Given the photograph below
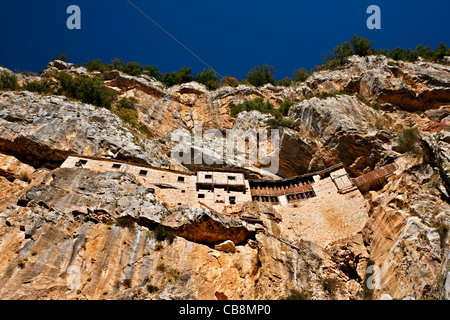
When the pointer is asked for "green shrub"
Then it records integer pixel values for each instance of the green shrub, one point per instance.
(127, 103)
(267, 107)
(280, 121)
(297, 295)
(339, 56)
(125, 223)
(96, 65)
(8, 81)
(161, 233)
(408, 140)
(440, 52)
(173, 78)
(330, 285)
(61, 57)
(88, 90)
(173, 275)
(152, 289)
(130, 116)
(132, 68)
(300, 75)
(255, 104)
(285, 82)
(443, 229)
(259, 76)
(161, 267)
(285, 107)
(208, 78)
(153, 71)
(40, 86)
(360, 45)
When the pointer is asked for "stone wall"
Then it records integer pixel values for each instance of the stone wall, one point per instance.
(176, 188)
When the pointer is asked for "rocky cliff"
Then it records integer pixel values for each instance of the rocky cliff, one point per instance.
(79, 234)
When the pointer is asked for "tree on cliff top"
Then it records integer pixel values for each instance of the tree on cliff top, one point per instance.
(259, 76)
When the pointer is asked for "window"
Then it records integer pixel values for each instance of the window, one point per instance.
(232, 200)
(116, 166)
(231, 178)
(183, 191)
(82, 161)
(208, 176)
(143, 172)
(201, 196)
(180, 179)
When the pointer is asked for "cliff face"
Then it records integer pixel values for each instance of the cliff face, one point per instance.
(80, 234)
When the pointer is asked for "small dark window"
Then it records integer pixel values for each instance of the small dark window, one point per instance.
(116, 166)
(82, 161)
(208, 176)
(151, 190)
(231, 178)
(201, 196)
(232, 200)
(183, 191)
(180, 179)
(143, 172)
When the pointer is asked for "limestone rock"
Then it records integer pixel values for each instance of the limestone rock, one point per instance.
(411, 86)
(60, 65)
(342, 124)
(44, 130)
(226, 246)
(439, 145)
(204, 226)
(143, 83)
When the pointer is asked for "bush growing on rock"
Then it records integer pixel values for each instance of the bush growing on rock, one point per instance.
(408, 140)
(161, 233)
(263, 106)
(208, 78)
(173, 78)
(128, 115)
(96, 65)
(259, 76)
(127, 103)
(298, 295)
(280, 121)
(338, 57)
(285, 107)
(88, 90)
(153, 71)
(44, 86)
(8, 80)
(61, 57)
(255, 104)
(125, 109)
(131, 68)
(285, 82)
(362, 47)
(300, 75)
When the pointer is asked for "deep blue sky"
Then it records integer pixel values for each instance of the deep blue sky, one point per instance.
(232, 36)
